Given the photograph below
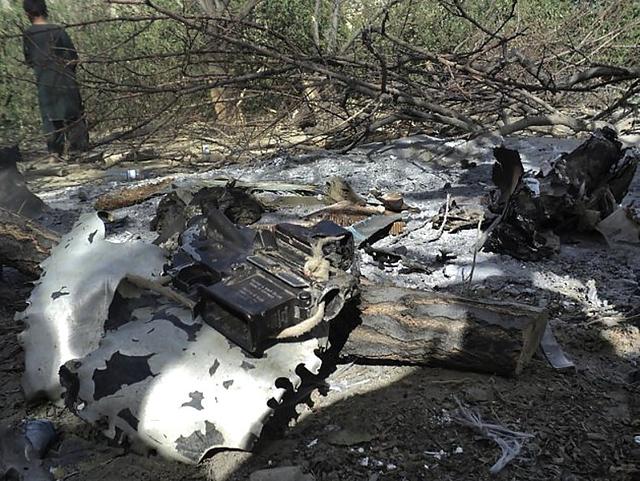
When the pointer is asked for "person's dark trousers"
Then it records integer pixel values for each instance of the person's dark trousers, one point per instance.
(77, 135)
(54, 130)
(74, 132)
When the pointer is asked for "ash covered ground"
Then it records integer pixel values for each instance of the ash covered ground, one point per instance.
(583, 422)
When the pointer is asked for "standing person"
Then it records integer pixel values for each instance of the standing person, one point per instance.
(53, 57)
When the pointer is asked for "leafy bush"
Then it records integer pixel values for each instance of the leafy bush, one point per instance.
(134, 66)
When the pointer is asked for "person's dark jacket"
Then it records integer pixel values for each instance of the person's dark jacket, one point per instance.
(51, 53)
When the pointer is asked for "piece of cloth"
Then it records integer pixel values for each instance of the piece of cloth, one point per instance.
(48, 49)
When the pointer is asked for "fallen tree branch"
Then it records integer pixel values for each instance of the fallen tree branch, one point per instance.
(551, 120)
(444, 220)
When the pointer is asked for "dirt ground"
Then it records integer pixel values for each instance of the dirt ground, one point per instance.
(367, 422)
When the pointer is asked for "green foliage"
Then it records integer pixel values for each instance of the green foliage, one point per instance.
(18, 112)
(290, 19)
(126, 64)
(119, 61)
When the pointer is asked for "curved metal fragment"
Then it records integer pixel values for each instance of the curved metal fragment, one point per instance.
(177, 386)
(70, 303)
(140, 367)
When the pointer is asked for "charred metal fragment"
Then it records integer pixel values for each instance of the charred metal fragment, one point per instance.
(70, 381)
(167, 404)
(171, 215)
(237, 204)
(15, 196)
(507, 171)
(178, 207)
(247, 365)
(62, 328)
(393, 256)
(372, 229)
(573, 193)
(622, 226)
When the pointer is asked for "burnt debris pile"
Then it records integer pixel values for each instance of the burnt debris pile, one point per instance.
(185, 339)
(574, 193)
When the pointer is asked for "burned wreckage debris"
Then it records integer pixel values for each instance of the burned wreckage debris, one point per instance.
(14, 194)
(529, 212)
(176, 345)
(119, 330)
(258, 286)
(574, 193)
(181, 353)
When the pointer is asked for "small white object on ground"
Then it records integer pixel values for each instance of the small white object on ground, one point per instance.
(509, 441)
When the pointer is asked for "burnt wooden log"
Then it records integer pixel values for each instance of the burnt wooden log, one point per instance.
(128, 196)
(416, 327)
(24, 244)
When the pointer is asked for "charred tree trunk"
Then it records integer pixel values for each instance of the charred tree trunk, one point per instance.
(24, 244)
(425, 328)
